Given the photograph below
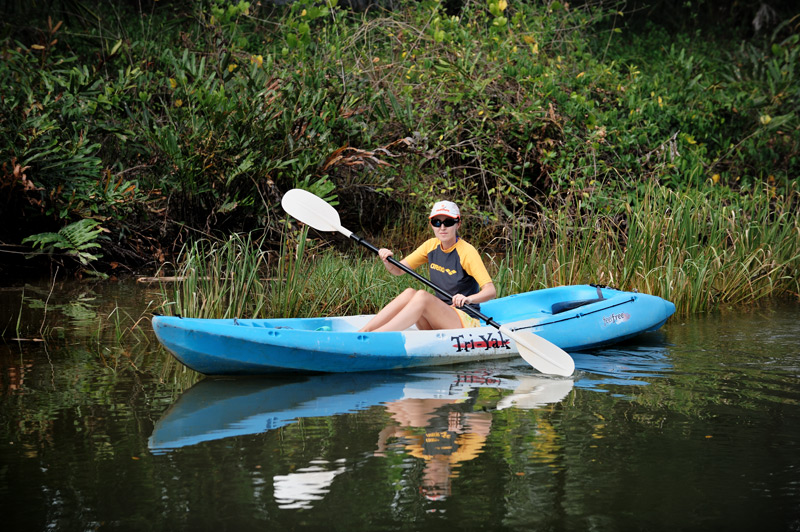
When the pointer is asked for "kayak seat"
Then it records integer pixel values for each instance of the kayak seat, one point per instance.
(563, 306)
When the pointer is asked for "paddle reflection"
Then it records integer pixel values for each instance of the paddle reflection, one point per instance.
(300, 489)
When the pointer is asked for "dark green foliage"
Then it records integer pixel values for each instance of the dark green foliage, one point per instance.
(75, 240)
(161, 120)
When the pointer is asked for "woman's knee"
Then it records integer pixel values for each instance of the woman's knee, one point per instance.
(427, 298)
(406, 295)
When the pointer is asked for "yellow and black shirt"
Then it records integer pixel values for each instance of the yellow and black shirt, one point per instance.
(458, 270)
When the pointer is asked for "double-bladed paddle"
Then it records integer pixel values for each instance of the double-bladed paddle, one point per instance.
(543, 355)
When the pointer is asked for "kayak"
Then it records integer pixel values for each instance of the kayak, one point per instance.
(575, 318)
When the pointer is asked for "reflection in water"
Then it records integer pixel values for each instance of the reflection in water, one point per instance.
(298, 490)
(432, 413)
(13, 371)
(536, 392)
(214, 409)
(446, 431)
(633, 364)
(693, 421)
(442, 432)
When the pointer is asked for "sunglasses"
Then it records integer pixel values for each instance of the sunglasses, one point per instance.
(447, 222)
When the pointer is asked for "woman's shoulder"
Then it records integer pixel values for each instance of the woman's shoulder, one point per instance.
(463, 244)
(430, 244)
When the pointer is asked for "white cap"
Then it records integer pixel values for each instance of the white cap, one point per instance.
(445, 208)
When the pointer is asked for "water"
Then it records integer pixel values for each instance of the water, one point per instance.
(693, 427)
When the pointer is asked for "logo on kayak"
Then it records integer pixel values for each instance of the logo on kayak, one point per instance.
(476, 378)
(618, 317)
(468, 342)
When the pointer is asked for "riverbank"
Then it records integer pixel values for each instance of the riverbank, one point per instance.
(683, 247)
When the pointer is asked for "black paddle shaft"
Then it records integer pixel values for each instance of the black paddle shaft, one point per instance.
(425, 281)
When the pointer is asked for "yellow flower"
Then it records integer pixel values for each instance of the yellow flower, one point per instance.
(580, 75)
(258, 59)
(765, 119)
(178, 103)
(173, 83)
(502, 5)
(660, 103)
(303, 13)
(715, 178)
(232, 67)
(529, 39)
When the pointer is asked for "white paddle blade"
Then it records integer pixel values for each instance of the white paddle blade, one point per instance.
(543, 355)
(312, 210)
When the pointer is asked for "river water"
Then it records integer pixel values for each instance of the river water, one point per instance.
(693, 427)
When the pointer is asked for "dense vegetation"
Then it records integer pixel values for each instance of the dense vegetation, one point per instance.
(138, 127)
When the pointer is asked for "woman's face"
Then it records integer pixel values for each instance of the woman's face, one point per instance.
(445, 232)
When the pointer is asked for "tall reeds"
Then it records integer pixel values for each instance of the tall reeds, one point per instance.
(218, 279)
(234, 278)
(692, 250)
(695, 252)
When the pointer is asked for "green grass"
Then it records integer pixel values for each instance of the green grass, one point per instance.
(680, 246)
(237, 278)
(677, 245)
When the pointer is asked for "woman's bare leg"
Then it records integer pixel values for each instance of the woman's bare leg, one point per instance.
(389, 311)
(424, 309)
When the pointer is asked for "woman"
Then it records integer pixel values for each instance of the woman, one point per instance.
(455, 266)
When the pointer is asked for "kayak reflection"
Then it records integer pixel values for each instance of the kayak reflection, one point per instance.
(434, 417)
(214, 409)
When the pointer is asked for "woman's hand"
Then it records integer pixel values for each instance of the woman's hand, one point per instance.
(459, 300)
(384, 254)
(487, 292)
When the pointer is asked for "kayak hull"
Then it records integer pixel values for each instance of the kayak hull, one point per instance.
(572, 317)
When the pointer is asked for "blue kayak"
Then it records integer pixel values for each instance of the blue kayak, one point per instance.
(575, 318)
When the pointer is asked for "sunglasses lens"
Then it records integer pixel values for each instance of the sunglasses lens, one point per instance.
(447, 222)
